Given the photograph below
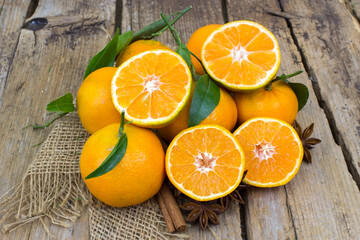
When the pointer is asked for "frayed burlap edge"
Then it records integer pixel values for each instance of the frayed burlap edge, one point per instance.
(52, 188)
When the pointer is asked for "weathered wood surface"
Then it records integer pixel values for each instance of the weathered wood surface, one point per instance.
(321, 202)
(329, 38)
(47, 63)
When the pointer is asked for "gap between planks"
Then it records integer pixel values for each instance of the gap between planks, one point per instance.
(339, 140)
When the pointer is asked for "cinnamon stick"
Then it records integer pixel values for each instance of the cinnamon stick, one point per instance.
(167, 218)
(172, 208)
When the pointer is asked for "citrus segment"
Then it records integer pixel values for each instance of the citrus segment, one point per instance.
(195, 43)
(151, 87)
(205, 162)
(241, 55)
(273, 151)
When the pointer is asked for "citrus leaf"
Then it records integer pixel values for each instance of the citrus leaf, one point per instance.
(184, 52)
(113, 159)
(105, 58)
(62, 104)
(205, 99)
(123, 41)
(158, 27)
(301, 92)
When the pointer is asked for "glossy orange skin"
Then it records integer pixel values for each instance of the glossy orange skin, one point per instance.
(137, 177)
(280, 102)
(94, 104)
(224, 114)
(139, 47)
(196, 41)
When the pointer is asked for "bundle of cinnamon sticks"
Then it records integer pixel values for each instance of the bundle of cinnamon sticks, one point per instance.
(172, 215)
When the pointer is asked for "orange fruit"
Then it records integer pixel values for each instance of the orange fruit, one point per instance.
(95, 107)
(195, 43)
(241, 55)
(205, 162)
(273, 151)
(138, 47)
(224, 114)
(280, 102)
(152, 87)
(139, 174)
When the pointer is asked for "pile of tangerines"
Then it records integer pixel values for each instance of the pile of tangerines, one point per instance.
(153, 87)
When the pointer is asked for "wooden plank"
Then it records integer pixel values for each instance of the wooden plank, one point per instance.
(47, 64)
(12, 16)
(139, 13)
(322, 201)
(328, 36)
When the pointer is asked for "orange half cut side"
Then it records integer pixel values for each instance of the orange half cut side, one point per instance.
(205, 162)
(273, 151)
(241, 55)
(151, 87)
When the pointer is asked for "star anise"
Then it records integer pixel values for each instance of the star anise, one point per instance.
(235, 195)
(307, 142)
(204, 212)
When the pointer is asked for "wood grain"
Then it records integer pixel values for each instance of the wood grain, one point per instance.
(12, 16)
(322, 201)
(47, 64)
(137, 14)
(329, 40)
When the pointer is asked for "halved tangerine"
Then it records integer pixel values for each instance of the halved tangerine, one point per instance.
(241, 55)
(273, 151)
(205, 162)
(151, 87)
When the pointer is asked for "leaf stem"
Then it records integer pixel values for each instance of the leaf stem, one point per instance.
(282, 77)
(180, 14)
(172, 30)
(122, 123)
(58, 116)
(198, 60)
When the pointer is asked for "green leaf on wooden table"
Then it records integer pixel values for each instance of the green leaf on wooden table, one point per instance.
(115, 156)
(105, 58)
(123, 41)
(62, 104)
(205, 99)
(301, 92)
(158, 27)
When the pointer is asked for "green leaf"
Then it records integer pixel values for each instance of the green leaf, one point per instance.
(158, 27)
(123, 41)
(301, 92)
(105, 58)
(205, 99)
(62, 104)
(113, 159)
(184, 52)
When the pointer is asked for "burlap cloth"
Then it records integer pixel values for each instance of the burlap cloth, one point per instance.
(52, 188)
